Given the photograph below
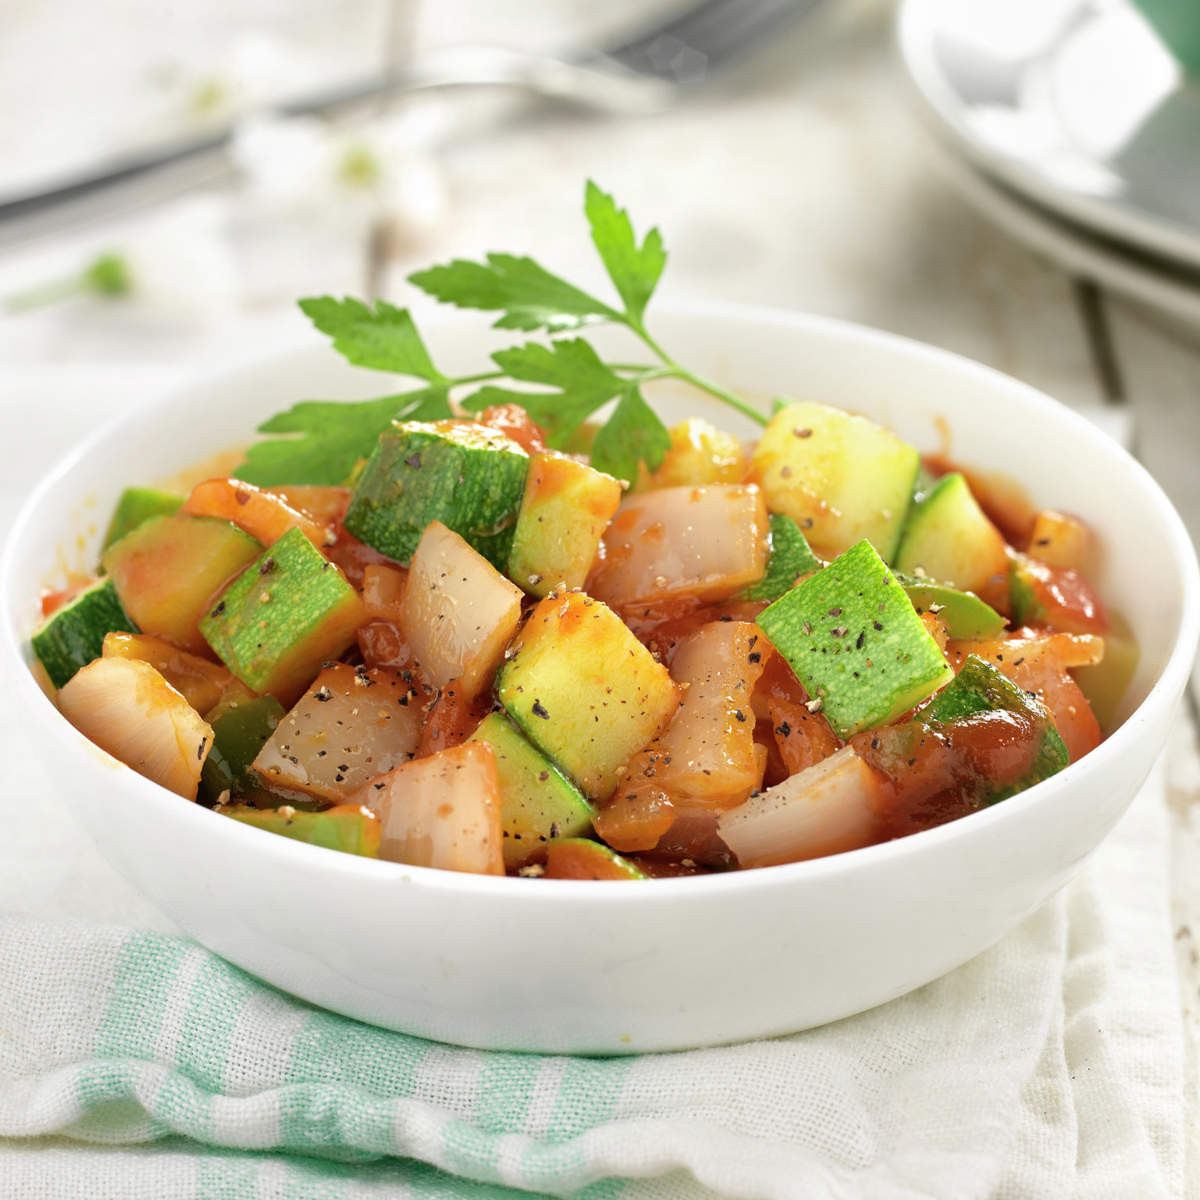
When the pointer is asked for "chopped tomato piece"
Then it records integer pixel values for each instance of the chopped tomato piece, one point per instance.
(802, 738)
(451, 718)
(1039, 663)
(383, 591)
(263, 515)
(636, 817)
(381, 644)
(354, 556)
(53, 601)
(514, 422)
(325, 504)
(1063, 599)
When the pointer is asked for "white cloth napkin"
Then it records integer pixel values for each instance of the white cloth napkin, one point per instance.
(1051, 1065)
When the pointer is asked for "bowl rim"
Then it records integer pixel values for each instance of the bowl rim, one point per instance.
(1155, 707)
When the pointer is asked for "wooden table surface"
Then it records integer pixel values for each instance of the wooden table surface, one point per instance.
(804, 181)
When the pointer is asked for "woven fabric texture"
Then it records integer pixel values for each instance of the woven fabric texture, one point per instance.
(138, 1064)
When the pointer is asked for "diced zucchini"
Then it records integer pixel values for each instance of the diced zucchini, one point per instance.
(200, 681)
(239, 732)
(1022, 596)
(700, 454)
(856, 643)
(467, 476)
(963, 613)
(350, 828)
(790, 557)
(350, 726)
(72, 636)
(841, 478)
(564, 512)
(290, 611)
(1059, 540)
(579, 858)
(127, 708)
(136, 506)
(949, 539)
(704, 542)
(827, 809)
(979, 688)
(537, 801)
(458, 612)
(168, 570)
(584, 690)
(441, 811)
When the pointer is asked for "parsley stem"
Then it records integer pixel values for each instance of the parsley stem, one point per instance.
(674, 370)
(482, 377)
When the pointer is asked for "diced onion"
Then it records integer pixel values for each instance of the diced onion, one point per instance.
(127, 708)
(441, 811)
(826, 809)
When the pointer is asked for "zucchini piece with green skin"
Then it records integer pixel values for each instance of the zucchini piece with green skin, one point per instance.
(467, 476)
(282, 617)
(239, 733)
(963, 613)
(789, 558)
(136, 506)
(1027, 609)
(351, 828)
(537, 801)
(948, 537)
(579, 858)
(584, 690)
(979, 688)
(168, 569)
(840, 477)
(69, 638)
(856, 643)
(564, 512)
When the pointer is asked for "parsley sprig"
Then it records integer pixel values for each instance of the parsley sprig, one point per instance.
(322, 441)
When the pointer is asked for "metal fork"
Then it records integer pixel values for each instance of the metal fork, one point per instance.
(644, 74)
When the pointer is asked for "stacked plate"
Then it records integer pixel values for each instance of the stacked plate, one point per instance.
(1068, 123)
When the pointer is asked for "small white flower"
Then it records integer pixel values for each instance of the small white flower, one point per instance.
(306, 168)
(254, 71)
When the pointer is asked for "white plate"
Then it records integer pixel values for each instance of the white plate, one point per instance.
(1073, 103)
(1175, 294)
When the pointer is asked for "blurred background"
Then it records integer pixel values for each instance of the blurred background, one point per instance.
(1008, 180)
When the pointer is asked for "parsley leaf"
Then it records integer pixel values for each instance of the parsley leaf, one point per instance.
(384, 339)
(332, 436)
(582, 382)
(634, 269)
(528, 296)
(633, 434)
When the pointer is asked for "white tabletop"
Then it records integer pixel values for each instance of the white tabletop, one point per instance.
(802, 182)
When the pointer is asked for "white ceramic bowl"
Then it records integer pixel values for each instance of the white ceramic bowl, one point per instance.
(662, 964)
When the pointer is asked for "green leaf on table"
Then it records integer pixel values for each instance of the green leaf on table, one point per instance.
(634, 269)
(383, 338)
(324, 439)
(633, 434)
(527, 296)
